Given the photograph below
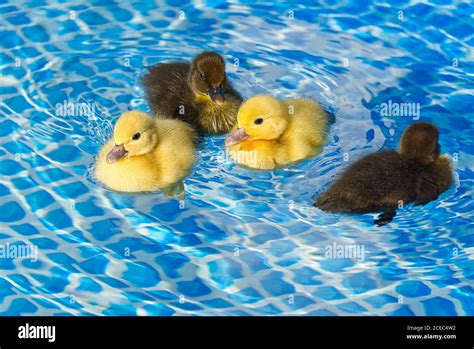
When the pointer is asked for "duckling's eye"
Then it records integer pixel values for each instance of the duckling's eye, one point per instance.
(136, 136)
(202, 76)
(258, 121)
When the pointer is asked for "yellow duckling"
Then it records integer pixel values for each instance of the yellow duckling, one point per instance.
(146, 154)
(271, 133)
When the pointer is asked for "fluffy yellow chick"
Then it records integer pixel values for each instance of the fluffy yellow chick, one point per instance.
(272, 133)
(146, 154)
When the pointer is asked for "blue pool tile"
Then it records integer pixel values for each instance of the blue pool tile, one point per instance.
(306, 276)
(141, 275)
(10, 39)
(328, 293)
(158, 310)
(18, 148)
(404, 310)
(171, 263)
(39, 199)
(64, 154)
(32, 264)
(163, 295)
(299, 302)
(225, 271)
(321, 312)
(274, 284)
(412, 288)
(88, 251)
(121, 310)
(89, 285)
(18, 103)
(35, 33)
(268, 309)
(72, 236)
(104, 229)
(112, 282)
(438, 306)
(186, 306)
(25, 229)
(92, 18)
(88, 208)
(61, 258)
(22, 183)
(248, 295)
(193, 288)
(190, 240)
(135, 296)
(237, 313)
(36, 161)
(378, 301)
(392, 272)
(268, 234)
(57, 282)
(127, 246)
(71, 190)
(46, 303)
(19, 307)
(352, 307)
(445, 282)
(288, 262)
(359, 283)
(7, 127)
(18, 19)
(44, 243)
(10, 167)
(95, 265)
(22, 283)
(4, 190)
(282, 247)
(466, 296)
(57, 219)
(203, 251)
(255, 260)
(7, 264)
(187, 225)
(217, 303)
(11, 212)
(336, 264)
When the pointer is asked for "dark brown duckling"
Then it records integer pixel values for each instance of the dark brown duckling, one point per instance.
(386, 180)
(198, 93)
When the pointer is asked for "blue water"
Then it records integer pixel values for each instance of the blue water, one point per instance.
(242, 242)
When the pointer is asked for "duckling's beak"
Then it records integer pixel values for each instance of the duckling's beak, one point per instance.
(236, 137)
(117, 152)
(217, 94)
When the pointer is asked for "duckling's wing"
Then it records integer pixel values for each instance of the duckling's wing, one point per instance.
(426, 190)
(433, 180)
(166, 87)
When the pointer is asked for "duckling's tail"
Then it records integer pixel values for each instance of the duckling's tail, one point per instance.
(327, 203)
(336, 203)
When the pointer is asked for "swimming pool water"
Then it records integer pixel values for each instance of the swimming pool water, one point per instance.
(243, 242)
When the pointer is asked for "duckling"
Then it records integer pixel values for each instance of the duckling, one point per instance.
(272, 133)
(385, 180)
(146, 154)
(198, 93)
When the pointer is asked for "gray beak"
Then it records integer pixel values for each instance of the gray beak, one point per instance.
(117, 152)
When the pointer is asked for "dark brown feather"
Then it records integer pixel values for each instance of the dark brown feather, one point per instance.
(172, 90)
